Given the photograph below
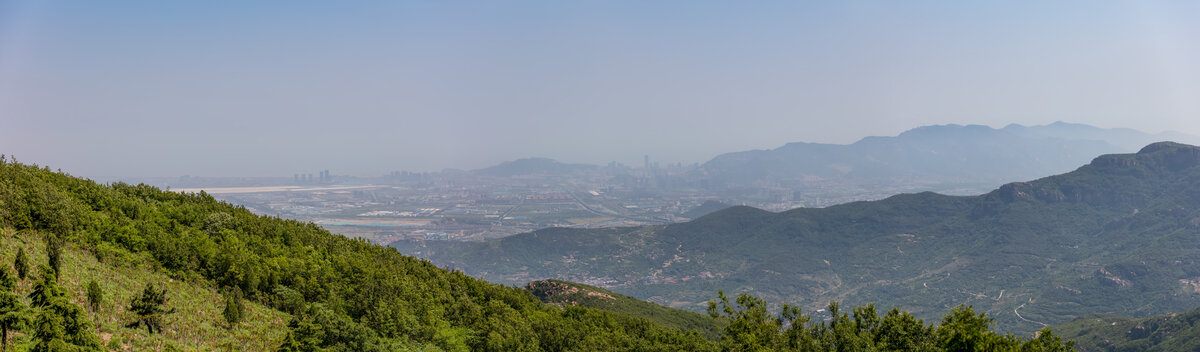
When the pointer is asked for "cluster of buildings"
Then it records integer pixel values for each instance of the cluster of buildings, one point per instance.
(323, 177)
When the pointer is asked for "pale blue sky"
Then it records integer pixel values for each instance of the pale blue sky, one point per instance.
(166, 88)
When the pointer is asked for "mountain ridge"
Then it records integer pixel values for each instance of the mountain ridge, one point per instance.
(953, 154)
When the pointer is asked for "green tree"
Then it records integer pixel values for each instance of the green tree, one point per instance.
(12, 311)
(749, 326)
(288, 300)
(60, 325)
(506, 331)
(54, 253)
(7, 282)
(962, 330)
(319, 329)
(63, 326)
(149, 307)
(845, 334)
(95, 296)
(1046, 341)
(50, 333)
(21, 264)
(45, 288)
(901, 331)
(235, 308)
(215, 222)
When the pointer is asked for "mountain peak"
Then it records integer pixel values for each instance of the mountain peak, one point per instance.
(1167, 145)
(1173, 156)
(934, 130)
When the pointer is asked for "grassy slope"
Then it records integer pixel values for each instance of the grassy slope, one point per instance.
(575, 294)
(197, 324)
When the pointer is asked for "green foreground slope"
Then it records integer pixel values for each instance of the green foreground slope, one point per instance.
(197, 324)
(343, 294)
(1120, 235)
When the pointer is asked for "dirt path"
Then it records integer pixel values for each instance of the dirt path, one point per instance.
(1015, 311)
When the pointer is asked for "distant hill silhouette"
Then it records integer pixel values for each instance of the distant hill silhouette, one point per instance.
(934, 154)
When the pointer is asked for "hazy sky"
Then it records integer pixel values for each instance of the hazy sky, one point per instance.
(167, 88)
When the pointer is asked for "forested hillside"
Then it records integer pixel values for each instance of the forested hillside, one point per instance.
(159, 265)
(565, 293)
(1173, 332)
(1120, 235)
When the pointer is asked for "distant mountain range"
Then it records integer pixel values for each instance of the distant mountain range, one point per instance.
(951, 159)
(934, 155)
(1120, 235)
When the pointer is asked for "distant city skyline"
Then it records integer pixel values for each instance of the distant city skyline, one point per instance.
(278, 88)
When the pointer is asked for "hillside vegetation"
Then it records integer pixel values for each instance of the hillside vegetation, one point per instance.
(197, 324)
(565, 293)
(1120, 235)
(165, 264)
(1174, 332)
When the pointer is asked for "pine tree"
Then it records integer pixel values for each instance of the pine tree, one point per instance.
(54, 253)
(49, 332)
(62, 326)
(45, 288)
(95, 296)
(12, 311)
(21, 264)
(235, 308)
(149, 308)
